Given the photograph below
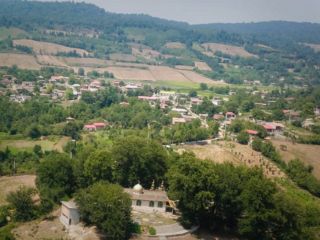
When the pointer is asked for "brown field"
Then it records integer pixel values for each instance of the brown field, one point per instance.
(46, 47)
(127, 73)
(50, 60)
(183, 67)
(198, 78)
(235, 153)
(175, 45)
(85, 62)
(10, 184)
(309, 154)
(122, 57)
(21, 60)
(211, 48)
(203, 66)
(214, 153)
(315, 47)
(145, 53)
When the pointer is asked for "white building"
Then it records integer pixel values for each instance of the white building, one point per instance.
(69, 213)
(147, 200)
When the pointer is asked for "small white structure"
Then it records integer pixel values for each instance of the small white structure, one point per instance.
(69, 213)
(147, 200)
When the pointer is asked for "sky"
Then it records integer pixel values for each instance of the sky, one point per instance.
(218, 11)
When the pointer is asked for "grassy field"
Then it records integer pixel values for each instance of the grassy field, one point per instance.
(13, 32)
(309, 154)
(46, 47)
(52, 143)
(10, 184)
(227, 49)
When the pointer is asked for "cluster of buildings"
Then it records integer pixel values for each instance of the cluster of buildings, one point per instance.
(54, 88)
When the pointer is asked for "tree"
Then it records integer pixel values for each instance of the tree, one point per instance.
(55, 178)
(22, 203)
(243, 137)
(193, 93)
(108, 207)
(138, 159)
(99, 166)
(81, 71)
(203, 86)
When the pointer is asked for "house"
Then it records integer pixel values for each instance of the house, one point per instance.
(218, 117)
(195, 101)
(69, 214)
(178, 120)
(148, 200)
(94, 126)
(216, 101)
(272, 127)
(230, 115)
(100, 125)
(90, 127)
(252, 132)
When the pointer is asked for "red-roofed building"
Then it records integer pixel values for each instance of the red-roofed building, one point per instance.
(252, 132)
(90, 127)
(100, 125)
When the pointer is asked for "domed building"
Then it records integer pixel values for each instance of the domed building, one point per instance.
(148, 200)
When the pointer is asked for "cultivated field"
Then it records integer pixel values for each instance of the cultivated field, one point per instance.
(47, 48)
(13, 32)
(309, 154)
(211, 48)
(122, 57)
(10, 184)
(85, 62)
(203, 66)
(21, 60)
(235, 153)
(315, 47)
(50, 60)
(175, 45)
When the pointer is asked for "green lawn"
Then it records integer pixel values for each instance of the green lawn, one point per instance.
(51, 143)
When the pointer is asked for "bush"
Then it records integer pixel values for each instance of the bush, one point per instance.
(4, 213)
(152, 231)
(22, 203)
(302, 175)
(243, 138)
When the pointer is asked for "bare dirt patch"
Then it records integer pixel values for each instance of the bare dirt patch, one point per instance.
(235, 153)
(175, 45)
(214, 153)
(227, 49)
(309, 154)
(203, 66)
(21, 60)
(315, 47)
(127, 73)
(50, 60)
(122, 57)
(11, 184)
(47, 48)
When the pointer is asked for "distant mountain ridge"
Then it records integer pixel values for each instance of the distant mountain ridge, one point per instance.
(30, 14)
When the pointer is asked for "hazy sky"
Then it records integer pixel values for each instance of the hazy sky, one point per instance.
(210, 11)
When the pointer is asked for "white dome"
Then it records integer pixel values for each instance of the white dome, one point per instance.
(138, 188)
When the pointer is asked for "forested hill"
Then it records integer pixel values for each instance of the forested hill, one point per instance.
(31, 14)
(300, 32)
